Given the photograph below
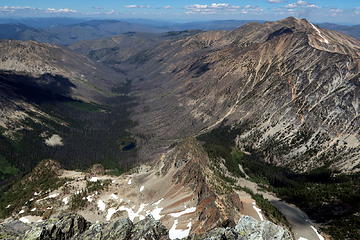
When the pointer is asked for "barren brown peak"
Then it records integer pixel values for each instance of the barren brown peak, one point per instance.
(302, 29)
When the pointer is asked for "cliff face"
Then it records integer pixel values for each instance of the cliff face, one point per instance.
(71, 227)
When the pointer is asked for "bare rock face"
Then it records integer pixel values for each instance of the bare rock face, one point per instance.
(47, 167)
(97, 169)
(216, 203)
(250, 229)
(75, 227)
(66, 227)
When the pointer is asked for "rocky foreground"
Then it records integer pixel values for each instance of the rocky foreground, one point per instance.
(68, 226)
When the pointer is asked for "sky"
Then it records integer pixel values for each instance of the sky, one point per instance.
(336, 11)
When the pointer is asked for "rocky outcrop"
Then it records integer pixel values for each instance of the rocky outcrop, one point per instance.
(215, 202)
(75, 227)
(250, 229)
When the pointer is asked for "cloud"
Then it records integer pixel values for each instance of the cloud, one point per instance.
(61, 10)
(275, 1)
(137, 6)
(335, 11)
(15, 8)
(212, 8)
(301, 4)
(24, 11)
(167, 7)
(357, 10)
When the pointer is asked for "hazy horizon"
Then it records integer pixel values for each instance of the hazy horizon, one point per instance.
(345, 12)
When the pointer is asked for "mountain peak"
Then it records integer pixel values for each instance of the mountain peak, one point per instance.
(316, 37)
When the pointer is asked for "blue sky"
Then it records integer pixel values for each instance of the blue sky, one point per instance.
(345, 11)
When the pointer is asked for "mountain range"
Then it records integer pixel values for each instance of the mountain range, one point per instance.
(196, 127)
(68, 31)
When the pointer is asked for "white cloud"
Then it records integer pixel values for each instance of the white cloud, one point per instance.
(357, 10)
(291, 5)
(24, 11)
(335, 11)
(219, 8)
(137, 6)
(15, 8)
(61, 10)
(301, 4)
(275, 1)
(167, 7)
(111, 12)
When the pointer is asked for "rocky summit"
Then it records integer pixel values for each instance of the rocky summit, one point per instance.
(75, 227)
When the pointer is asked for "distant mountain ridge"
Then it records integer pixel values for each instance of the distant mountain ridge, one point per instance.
(353, 30)
(69, 32)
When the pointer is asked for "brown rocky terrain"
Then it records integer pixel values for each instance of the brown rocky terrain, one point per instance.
(290, 81)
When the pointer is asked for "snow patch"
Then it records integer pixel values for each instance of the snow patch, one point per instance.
(93, 179)
(142, 188)
(21, 212)
(258, 211)
(33, 210)
(65, 200)
(324, 40)
(179, 233)
(54, 195)
(129, 182)
(101, 205)
(317, 233)
(302, 238)
(114, 196)
(24, 220)
(110, 213)
(89, 198)
(186, 211)
(158, 202)
(54, 140)
(131, 214)
(156, 213)
(30, 219)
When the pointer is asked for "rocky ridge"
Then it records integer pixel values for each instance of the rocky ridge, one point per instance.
(72, 226)
(181, 188)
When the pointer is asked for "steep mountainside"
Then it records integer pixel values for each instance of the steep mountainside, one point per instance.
(125, 49)
(58, 104)
(35, 59)
(295, 86)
